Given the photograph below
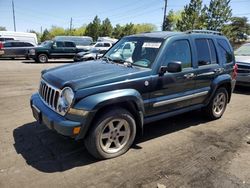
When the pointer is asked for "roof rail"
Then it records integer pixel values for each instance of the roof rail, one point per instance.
(204, 32)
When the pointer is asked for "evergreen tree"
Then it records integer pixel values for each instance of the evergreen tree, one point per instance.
(46, 35)
(193, 16)
(93, 29)
(171, 20)
(218, 13)
(106, 28)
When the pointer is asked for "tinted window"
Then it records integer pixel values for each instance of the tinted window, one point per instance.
(69, 44)
(99, 45)
(59, 44)
(106, 45)
(5, 39)
(7, 44)
(179, 51)
(206, 52)
(27, 44)
(227, 56)
(17, 44)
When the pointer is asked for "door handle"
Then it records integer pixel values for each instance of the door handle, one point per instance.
(189, 75)
(218, 70)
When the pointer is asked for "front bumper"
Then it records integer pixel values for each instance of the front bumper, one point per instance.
(44, 115)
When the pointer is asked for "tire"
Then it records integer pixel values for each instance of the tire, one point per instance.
(42, 58)
(217, 104)
(112, 134)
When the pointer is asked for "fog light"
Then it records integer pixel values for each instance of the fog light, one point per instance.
(76, 130)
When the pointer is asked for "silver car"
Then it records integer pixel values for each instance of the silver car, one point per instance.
(242, 56)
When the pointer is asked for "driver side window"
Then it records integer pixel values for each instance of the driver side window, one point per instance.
(179, 51)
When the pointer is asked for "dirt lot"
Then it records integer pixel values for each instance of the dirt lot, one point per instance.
(183, 151)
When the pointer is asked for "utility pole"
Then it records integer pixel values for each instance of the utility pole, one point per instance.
(164, 16)
(70, 26)
(14, 18)
(41, 29)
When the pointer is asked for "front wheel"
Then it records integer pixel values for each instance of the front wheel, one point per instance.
(218, 104)
(111, 135)
(42, 58)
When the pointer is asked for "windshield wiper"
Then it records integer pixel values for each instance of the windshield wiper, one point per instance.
(108, 59)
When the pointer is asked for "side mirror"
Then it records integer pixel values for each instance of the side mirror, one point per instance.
(172, 67)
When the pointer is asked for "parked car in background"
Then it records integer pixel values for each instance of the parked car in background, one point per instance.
(21, 36)
(99, 45)
(90, 55)
(107, 39)
(242, 56)
(80, 41)
(107, 101)
(15, 49)
(54, 50)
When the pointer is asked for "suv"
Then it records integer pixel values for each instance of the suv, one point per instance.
(54, 49)
(15, 49)
(108, 101)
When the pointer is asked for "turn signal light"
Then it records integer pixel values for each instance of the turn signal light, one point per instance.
(76, 130)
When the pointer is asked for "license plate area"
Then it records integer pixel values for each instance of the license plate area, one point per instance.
(37, 114)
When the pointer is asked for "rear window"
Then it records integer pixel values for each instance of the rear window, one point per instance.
(7, 44)
(106, 45)
(225, 50)
(205, 51)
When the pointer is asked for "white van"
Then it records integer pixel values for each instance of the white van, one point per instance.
(21, 36)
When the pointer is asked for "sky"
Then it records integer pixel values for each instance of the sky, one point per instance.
(41, 14)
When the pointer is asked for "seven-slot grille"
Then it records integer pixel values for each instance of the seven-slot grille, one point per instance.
(242, 68)
(49, 94)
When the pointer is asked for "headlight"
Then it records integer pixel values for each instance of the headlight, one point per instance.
(32, 51)
(65, 100)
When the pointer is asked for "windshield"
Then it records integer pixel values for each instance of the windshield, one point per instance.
(243, 50)
(139, 51)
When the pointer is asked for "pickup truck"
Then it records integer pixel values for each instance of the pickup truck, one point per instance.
(54, 50)
(107, 101)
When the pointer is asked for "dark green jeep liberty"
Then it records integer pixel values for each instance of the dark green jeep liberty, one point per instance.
(141, 79)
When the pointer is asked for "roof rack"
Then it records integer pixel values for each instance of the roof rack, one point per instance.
(204, 32)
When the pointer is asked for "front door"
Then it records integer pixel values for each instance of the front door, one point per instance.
(173, 91)
(57, 49)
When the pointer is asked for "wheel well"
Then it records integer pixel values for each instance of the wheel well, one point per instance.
(228, 87)
(130, 106)
(43, 53)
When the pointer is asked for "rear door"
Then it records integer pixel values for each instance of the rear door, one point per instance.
(70, 49)
(7, 46)
(208, 66)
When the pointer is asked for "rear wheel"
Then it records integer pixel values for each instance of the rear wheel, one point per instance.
(218, 104)
(111, 135)
(42, 58)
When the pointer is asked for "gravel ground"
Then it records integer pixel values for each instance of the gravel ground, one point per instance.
(183, 151)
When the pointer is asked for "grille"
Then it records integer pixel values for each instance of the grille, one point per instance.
(49, 94)
(243, 68)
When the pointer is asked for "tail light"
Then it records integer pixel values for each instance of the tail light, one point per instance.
(1, 45)
(235, 71)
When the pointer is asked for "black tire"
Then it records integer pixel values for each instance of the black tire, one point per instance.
(101, 131)
(42, 58)
(215, 108)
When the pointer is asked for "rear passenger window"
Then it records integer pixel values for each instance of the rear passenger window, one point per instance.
(227, 56)
(59, 44)
(179, 51)
(205, 51)
(106, 45)
(69, 44)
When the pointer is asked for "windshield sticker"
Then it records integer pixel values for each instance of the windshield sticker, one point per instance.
(151, 45)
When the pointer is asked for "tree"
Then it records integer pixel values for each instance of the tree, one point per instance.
(171, 20)
(128, 29)
(2, 28)
(93, 28)
(46, 35)
(145, 27)
(56, 31)
(193, 16)
(237, 30)
(117, 31)
(106, 28)
(217, 14)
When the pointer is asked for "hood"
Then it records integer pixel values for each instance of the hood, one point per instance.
(82, 53)
(88, 74)
(242, 59)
